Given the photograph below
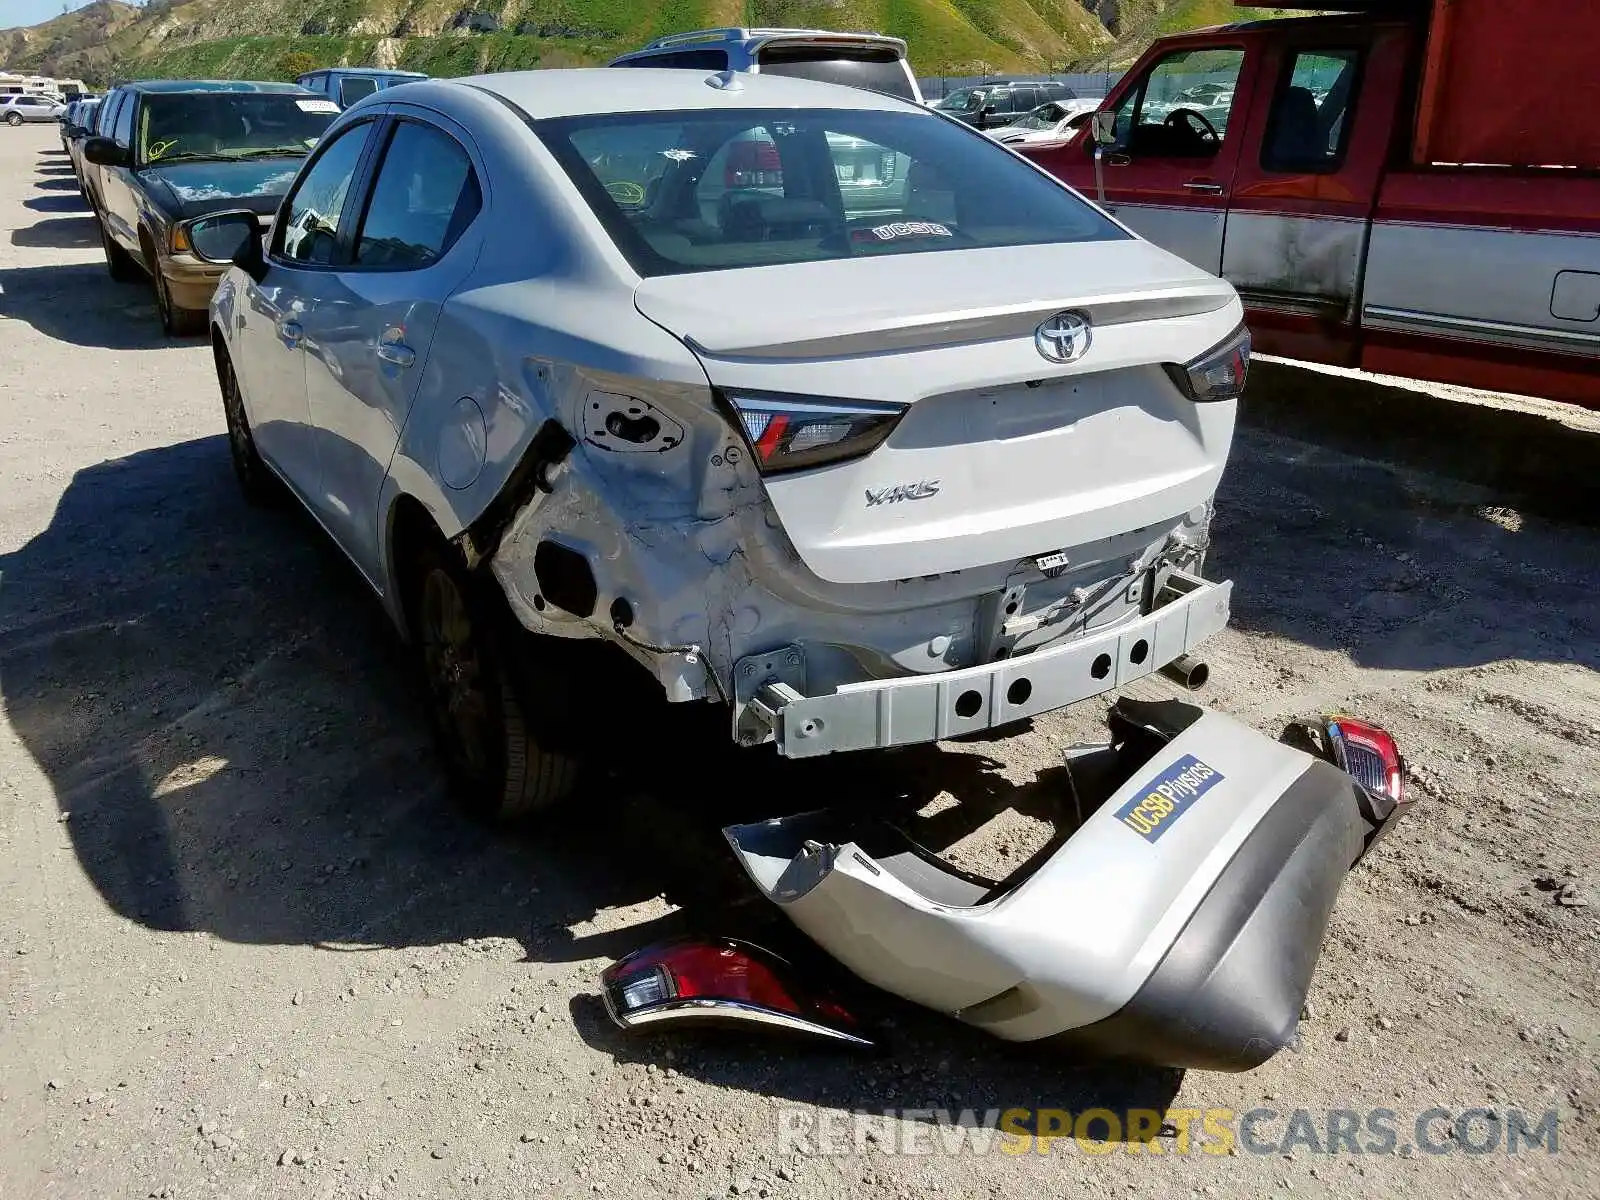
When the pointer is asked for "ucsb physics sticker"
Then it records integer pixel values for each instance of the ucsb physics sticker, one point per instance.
(1156, 807)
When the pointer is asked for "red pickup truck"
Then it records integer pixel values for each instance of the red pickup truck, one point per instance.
(1412, 188)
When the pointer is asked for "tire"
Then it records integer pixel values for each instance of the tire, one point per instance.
(14, 119)
(119, 263)
(498, 769)
(256, 480)
(175, 321)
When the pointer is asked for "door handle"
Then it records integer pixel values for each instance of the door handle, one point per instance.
(1119, 160)
(398, 353)
(292, 331)
(1201, 185)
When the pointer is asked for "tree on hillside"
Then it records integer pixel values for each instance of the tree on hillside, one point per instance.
(294, 64)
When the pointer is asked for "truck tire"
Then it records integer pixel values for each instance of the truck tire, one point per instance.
(119, 262)
(498, 769)
(175, 321)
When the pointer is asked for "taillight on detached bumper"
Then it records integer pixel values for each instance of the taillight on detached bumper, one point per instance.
(791, 433)
(721, 981)
(1368, 754)
(1219, 373)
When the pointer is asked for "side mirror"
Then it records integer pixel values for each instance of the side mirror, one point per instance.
(1104, 128)
(104, 152)
(229, 238)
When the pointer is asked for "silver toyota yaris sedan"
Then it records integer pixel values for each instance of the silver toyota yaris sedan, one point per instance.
(816, 404)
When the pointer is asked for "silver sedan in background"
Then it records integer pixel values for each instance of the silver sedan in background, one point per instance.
(812, 403)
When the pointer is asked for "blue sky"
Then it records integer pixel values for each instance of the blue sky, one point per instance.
(31, 12)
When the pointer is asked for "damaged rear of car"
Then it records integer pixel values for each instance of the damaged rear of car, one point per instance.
(954, 459)
(814, 403)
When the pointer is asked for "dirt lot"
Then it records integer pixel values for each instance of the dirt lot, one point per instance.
(247, 948)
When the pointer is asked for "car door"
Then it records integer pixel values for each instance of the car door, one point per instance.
(369, 330)
(117, 204)
(100, 126)
(1300, 212)
(1169, 174)
(307, 238)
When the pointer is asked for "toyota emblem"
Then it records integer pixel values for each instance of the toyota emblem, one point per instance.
(1064, 338)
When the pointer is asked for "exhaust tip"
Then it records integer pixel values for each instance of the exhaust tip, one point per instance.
(1190, 672)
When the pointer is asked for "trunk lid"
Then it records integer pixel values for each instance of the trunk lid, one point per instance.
(1002, 454)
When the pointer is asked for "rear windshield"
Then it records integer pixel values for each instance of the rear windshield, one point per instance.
(711, 190)
(876, 69)
(180, 125)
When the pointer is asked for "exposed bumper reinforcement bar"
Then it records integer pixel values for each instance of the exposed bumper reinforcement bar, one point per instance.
(925, 708)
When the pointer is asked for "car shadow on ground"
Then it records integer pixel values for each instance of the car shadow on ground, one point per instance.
(79, 303)
(1398, 568)
(61, 233)
(57, 203)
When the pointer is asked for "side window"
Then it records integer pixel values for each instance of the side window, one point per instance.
(309, 224)
(425, 196)
(355, 87)
(1024, 99)
(122, 132)
(1309, 124)
(1180, 108)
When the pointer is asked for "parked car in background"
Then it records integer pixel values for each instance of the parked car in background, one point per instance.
(29, 109)
(1047, 123)
(169, 151)
(990, 105)
(68, 118)
(864, 60)
(864, 472)
(76, 125)
(345, 85)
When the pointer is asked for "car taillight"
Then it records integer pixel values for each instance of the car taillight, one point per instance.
(788, 433)
(720, 980)
(1369, 755)
(1362, 750)
(1219, 373)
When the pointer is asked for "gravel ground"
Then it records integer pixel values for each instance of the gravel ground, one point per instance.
(246, 947)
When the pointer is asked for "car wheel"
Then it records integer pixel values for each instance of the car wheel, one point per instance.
(175, 321)
(257, 482)
(497, 767)
(13, 119)
(118, 261)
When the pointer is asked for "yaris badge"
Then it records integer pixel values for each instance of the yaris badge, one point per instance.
(1064, 338)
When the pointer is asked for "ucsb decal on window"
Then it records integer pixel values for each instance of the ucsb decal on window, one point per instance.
(1158, 805)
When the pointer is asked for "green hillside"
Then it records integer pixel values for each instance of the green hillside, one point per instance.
(74, 44)
(241, 38)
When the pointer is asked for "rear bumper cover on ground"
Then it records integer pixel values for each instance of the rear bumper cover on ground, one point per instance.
(879, 713)
(1179, 924)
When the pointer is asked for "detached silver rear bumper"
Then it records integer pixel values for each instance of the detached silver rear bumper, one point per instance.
(925, 708)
